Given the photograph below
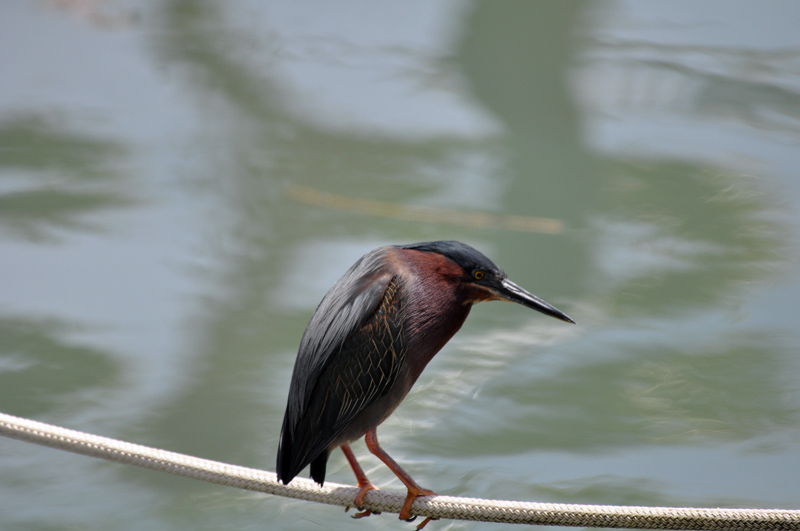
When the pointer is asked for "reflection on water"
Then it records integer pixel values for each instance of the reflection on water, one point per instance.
(40, 369)
(659, 140)
(55, 178)
(651, 393)
(703, 234)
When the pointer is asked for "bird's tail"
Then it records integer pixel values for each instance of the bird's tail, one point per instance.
(318, 467)
(293, 457)
(286, 468)
(289, 466)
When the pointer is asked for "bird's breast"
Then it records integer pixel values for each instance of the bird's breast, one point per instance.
(434, 316)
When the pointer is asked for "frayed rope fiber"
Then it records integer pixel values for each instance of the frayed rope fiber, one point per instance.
(391, 502)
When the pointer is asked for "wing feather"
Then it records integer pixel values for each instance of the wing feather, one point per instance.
(349, 357)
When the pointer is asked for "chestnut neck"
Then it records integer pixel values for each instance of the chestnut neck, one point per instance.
(437, 304)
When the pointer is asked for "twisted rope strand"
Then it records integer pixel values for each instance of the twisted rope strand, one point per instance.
(385, 501)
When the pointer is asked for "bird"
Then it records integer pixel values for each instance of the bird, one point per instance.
(369, 340)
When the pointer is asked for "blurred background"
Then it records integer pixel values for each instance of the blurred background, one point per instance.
(181, 182)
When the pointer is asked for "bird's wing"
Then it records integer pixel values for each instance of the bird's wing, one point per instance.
(349, 356)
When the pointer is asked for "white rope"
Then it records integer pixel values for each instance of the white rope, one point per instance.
(391, 502)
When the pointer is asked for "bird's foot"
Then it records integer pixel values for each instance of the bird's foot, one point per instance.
(363, 488)
(405, 512)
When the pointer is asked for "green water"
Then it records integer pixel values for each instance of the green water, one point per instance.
(181, 183)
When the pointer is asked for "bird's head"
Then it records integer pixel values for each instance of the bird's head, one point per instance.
(483, 280)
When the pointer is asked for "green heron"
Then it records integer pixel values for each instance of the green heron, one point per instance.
(369, 340)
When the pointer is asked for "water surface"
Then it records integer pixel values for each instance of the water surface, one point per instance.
(181, 183)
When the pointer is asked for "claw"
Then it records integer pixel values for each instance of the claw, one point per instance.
(362, 490)
(405, 512)
(425, 522)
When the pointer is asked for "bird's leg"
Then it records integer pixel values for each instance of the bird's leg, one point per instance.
(364, 484)
(414, 490)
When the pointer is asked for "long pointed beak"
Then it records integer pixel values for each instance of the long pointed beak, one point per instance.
(511, 292)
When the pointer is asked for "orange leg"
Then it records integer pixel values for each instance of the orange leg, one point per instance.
(364, 484)
(414, 490)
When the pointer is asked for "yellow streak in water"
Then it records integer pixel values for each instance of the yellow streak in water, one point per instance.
(464, 218)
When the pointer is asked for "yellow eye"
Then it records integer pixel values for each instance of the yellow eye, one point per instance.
(478, 274)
